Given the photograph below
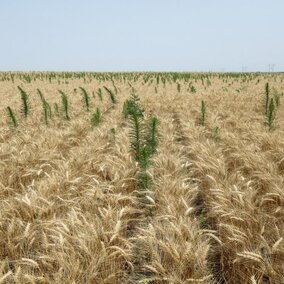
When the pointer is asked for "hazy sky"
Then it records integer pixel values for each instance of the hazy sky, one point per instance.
(141, 35)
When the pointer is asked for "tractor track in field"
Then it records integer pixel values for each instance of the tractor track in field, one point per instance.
(201, 210)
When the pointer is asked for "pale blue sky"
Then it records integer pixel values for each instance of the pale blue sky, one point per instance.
(141, 35)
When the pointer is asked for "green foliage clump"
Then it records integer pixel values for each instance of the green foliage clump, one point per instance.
(271, 104)
(115, 88)
(266, 97)
(203, 113)
(113, 132)
(271, 113)
(96, 118)
(25, 103)
(276, 96)
(27, 78)
(56, 109)
(178, 87)
(86, 99)
(163, 81)
(277, 99)
(133, 104)
(12, 117)
(47, 113)
(99, 93)
(151, 135)
(216, 133)
(143, 137)
(65, 105)
(192, 89)
(40, 95)
(135, 117)
(111, 95)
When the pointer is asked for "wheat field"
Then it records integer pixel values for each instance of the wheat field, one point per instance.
(211, 205)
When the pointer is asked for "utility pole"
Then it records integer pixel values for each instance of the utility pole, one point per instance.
(271, 67)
